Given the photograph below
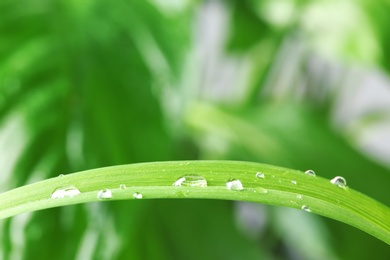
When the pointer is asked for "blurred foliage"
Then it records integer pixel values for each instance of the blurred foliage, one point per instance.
(86, 84)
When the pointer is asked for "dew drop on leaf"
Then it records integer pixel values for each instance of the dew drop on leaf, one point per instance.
(191, 181)
(122, 186)
(260, 190)
(260, 175)
(306, 208)
(294, 182)
(339, 181)
(310, 172)
(234, 185)
(65, 192)
(104, 194)
(137, 195)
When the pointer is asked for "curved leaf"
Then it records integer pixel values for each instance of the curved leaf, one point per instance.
(276, 186)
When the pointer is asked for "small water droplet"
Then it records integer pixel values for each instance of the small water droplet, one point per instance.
(234, 185)
(306, 208)
(122, 187)
(65, 192)
(260, 190)
(339, 181)
(137, 195)
(61, 175)
(104, 194)
(299, 196)
(294, 182)
(310, 172)
(191, 181)
(260, 175)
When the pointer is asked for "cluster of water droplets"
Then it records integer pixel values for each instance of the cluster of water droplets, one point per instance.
(338, 181)
(189, 181)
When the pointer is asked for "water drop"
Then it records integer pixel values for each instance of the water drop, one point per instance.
(294, 182)
(137, 195)
(61, 175)
(191, 181)
(234, 185)
(104, 194)
(260, 175)
(339, 181)
(122, 186)
(310, 172)
(299, 196)
(306, 208)
(65, 192)
(260, 190)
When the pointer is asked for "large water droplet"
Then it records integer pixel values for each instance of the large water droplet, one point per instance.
(137, 195)
(310, 172)
(339, 181)
(260, 175)
(234, 185)
(122, 187)
(65, 192)
(191, 181)
(104, 194)
(306, 208)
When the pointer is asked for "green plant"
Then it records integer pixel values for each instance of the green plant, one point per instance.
(89, 84)
(206, 180)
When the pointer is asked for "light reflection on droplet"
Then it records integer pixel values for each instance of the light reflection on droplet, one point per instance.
(65, 192)
(310, 172)
(104, 194)
(234, 185)
(339, 181)
(260, 175)
(191, 181)
(137, 195)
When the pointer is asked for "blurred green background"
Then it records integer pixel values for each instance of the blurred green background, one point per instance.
(86, 84)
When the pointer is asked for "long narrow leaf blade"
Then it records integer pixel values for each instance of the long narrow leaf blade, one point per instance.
(204, 180)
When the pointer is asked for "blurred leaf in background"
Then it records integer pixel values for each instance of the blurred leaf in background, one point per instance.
(86, 84)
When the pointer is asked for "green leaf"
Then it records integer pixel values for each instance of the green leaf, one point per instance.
(279, 186)
(247, 28)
